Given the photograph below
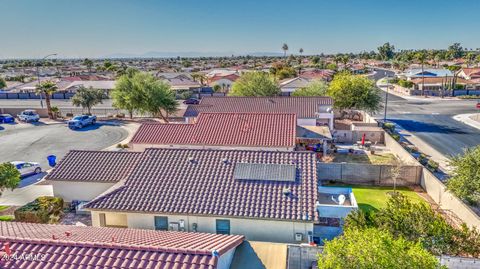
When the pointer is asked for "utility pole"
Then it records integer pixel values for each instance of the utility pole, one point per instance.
(38, 74)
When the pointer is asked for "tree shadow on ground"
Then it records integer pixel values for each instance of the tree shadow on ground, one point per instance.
(425, 127)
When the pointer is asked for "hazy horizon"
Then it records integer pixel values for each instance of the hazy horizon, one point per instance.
(98, 29)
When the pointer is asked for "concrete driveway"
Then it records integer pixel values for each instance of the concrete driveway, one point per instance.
(34, 142)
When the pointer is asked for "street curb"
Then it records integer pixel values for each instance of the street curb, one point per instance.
(465, 118)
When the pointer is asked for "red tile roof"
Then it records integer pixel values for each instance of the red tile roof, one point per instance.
(201, 182)
(232, 129)
(109, 248)
(475, 72)
(95, 166)
(303, 107)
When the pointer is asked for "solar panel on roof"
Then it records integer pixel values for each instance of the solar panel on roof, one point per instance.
(262, 171)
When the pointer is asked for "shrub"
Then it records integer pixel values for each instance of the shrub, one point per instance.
(396, 137)
(389, 127)
(42, 210)
(432, 165)
(465, 179)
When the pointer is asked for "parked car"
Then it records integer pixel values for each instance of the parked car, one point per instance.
(27, 168)
(191, 101)
(6, 118)
(28, 116)
(81, 120)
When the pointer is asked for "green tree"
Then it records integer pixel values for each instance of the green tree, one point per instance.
(470, 58)
(421, 57)
(87, 98)
(255, 84)
(374, 248)
(285, 49)
(216, 88)
(9, 177)
(89, 64)
(286, 72)
(47, 88)
(465, 179)
(354, 92)
(3, 83)
(455, 51)
(158, 98)
(300, 51)
(386, 51)
(127, 94)
(315, 60)
(314, 88)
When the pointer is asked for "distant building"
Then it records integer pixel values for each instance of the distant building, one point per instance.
(427, 73)
(290, 85)
(470, 73)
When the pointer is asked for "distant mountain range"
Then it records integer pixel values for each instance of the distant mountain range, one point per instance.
(159, 54)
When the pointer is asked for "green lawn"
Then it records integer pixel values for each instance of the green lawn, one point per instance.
(372, 198)
(3, 207)
(7, 218)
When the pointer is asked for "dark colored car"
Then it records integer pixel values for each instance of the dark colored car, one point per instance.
(191, 101)
(6, 118)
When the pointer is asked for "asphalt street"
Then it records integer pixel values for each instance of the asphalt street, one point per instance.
(432, 121)
(34, 142)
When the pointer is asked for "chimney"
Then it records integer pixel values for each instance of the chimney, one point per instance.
(67, 233)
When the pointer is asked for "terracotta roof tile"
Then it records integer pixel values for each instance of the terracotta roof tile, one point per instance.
(217, 129)
(303, 107)
(98, 166)
(201, 182)
(110, 248)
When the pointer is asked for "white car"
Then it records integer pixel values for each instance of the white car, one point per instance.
(29, 116)
(27, 168)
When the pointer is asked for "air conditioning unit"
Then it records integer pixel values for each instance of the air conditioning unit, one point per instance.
(298, 237)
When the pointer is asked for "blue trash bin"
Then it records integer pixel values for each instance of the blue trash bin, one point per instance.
(51, 160)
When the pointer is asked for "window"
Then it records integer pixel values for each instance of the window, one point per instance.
(223, 226)
(161, 223)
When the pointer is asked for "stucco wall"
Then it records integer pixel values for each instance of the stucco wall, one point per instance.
(306, 122)
(252, 229)
(84, 191)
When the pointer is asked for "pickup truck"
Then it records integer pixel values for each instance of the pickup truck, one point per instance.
(81, 120)
(28, 116)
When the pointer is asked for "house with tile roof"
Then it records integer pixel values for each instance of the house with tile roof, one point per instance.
(290, 85)
(309, 110)
(470, 73)
(264, 195)
(243, 131)
(42, 246)
(83, 175)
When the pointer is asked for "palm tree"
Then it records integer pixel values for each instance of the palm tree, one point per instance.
(285, 48)
(422, 57)
(47, 88)
(301, 51)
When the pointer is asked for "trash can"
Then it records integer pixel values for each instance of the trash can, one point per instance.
(51, 160)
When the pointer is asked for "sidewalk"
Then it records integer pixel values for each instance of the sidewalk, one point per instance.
(469, 119)
(382, 87)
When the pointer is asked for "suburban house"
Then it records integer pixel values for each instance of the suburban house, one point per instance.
(435, 85)
(470, 73)
(322, 74)
(287, 86)
(411, 74)
(83, 175)
(264, 195)
(243, 131)
(69, 247)
(312, 111)
(224, 81)
(105, 85)
(179, 81)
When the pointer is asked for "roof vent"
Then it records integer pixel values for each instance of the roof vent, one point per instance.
(191, 159)
(113, 239)
(271, 101)
(215, 253)
(67, 233)
(287, 191)
(225, 161)
(54, 237)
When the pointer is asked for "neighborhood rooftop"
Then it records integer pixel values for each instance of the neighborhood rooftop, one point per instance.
(103, 166)
(202, 182)
(66, 246)
(230, 129)
(303, 107)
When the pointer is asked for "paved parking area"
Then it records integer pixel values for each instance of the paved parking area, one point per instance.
(34, 142)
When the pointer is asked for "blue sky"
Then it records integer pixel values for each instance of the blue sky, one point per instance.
(94, 28)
